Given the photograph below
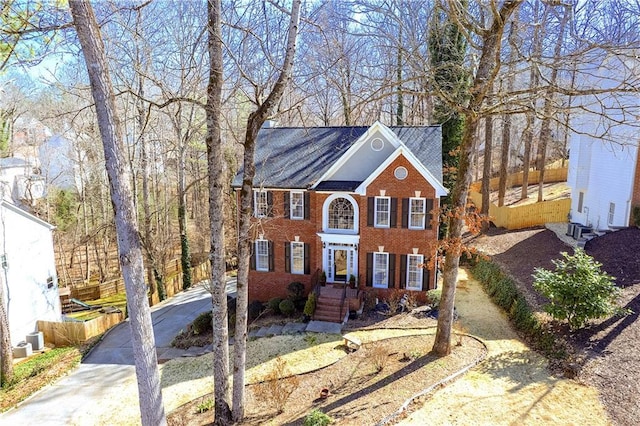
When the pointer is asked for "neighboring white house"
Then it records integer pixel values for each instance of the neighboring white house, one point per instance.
(603, 159)
(19, 182)
(27, 265)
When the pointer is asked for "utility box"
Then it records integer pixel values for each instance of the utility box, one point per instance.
(37, 340)
(23, 350)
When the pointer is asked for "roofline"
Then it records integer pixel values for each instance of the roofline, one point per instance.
(353, 148)
(27, 215)
(441, 191)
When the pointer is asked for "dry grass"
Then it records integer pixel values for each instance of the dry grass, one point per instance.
(513, 386)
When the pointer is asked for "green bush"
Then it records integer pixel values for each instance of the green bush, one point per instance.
(296, 291)
(274, 305)
(310, 305)
(317, 418)
(578, 290)
(433, 297)
(636, 215)
(203, 323)
(287, 307)
(504, 292)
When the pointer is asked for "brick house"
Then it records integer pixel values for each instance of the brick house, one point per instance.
(343, 202)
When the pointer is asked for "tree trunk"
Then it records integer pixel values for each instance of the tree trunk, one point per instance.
(185, 255)
(527, 137)
(487, 69)
(129, 245)
(217, 184)
(6, 349)
(545, 129)
(486, 165)
(255, 121)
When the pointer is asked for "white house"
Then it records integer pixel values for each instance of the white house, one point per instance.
(604, 174)
(27, 265)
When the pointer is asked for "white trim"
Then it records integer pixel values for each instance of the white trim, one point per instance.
(299, 244)
(424, 213)
(419, 270)
(373, 270)
(403, 150)
(256, 212)
(375, 212)
(375, 127)
(339, 238)
(257, 254)
(291, 216)
(325, 214)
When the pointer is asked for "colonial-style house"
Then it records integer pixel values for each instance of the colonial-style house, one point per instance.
(345, 204)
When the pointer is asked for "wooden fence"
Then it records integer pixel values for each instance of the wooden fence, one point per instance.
(72, 333)
(173, 282)
(528, 215)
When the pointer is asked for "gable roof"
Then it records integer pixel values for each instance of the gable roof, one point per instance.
(19, 211)
(297, 157)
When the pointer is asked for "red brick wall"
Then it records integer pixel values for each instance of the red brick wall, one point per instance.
(265, 285)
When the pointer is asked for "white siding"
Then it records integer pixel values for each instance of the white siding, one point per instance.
(28, 247)
(364, 161)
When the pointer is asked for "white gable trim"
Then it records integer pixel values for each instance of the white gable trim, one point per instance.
(441, 191)
(28, 215)
(377, 126)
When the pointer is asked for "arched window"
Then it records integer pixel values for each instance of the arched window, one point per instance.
(341, 214)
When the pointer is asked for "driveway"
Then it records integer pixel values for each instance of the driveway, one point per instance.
(108, 371)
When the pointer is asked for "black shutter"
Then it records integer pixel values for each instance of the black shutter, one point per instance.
(403, 270)
(425, 278)
(271, 259)
(307, 258)
(287, 205)
(269, 203)
(287, 256)
(394, 213)
(307, 207)
(370, 210)
(369, 269)
(252, 261)
(405, 212)
(428, 216)
(392, 270)
(253, 203)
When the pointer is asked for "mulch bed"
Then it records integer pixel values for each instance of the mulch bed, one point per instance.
(608, 351)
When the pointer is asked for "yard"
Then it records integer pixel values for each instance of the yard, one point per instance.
(607, 352)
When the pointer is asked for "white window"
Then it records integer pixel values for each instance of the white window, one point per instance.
(297, 257)
(297, 205)
(415, 269)
(261, 203)
(417, 213)
(262, 255)
(381, 270)
(382, 212)
(341, 214)
(612, 212)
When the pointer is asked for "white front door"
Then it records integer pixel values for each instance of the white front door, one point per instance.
(340, 262)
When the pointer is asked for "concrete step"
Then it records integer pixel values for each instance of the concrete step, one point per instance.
(294, 328)
(275, 330)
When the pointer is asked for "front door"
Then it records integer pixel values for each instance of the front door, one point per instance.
(340, 262)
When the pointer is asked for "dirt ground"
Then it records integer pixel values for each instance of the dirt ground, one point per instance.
(608, 351)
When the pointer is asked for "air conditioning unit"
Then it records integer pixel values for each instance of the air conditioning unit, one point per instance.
(580, 230)
(571, 226)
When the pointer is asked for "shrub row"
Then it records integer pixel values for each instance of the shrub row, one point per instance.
(503, 291)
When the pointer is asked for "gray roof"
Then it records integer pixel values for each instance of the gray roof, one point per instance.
(296, 157)
(9, 162)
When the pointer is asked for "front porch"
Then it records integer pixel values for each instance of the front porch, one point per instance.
(335, 301)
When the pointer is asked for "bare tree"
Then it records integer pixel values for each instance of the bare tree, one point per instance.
(265, 109)
(129, 245)
(488, 66)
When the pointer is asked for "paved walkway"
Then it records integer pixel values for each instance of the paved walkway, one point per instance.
(108, 371)
(512, 386)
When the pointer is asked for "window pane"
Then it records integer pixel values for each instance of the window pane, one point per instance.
(341, 214)
(262, 206)
(383, 206)
(380, 269)
(297, 205)
(417, 213)
(297, 258)
(414, 271)
(262, 255)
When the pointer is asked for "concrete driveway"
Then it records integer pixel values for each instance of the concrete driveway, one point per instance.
(109, 371)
